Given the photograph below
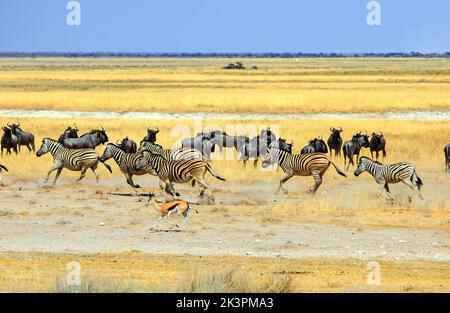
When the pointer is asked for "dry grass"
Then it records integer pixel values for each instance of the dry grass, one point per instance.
(137, 272)
(192, 85)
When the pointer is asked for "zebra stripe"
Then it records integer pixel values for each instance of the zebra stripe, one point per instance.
(126, 162)
(72, 159)
(386, 174)
(176, 171)
(313, 164)
(172, 154)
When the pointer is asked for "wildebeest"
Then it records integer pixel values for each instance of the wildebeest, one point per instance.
(377, 143)
(203, 142)
(25, 138)
(335, 141)
(68, 133)
(88, 140)
(257, 146)
(128, 145)
(315, 145)
(151, 135)
(281, 143)
(222, 139)
(447, 157)
(353, 147)
(9, 141)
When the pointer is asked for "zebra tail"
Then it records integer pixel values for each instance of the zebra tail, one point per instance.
(209, 168)
(107, 166)
(338, 170)
(3, 167)
(419, 181)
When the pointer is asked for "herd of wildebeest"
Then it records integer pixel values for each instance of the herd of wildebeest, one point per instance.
(192, 159)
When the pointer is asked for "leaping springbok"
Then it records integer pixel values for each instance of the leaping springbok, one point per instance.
(169, 208)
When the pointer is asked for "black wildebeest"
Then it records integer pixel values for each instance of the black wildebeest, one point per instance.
(257, 146)
(9, 141)
(88, 140)
(447, 157)
(151, 135)
(68, 133)
(315, 145)
(335, 141)
(281, 143)
(128, 145)
(377, 143)
(203, 142)
(223, 140)
(25, 138)
(352, 147)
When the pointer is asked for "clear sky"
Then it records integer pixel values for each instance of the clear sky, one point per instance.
(225, 26)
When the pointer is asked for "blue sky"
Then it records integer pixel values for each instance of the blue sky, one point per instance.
(225, 26)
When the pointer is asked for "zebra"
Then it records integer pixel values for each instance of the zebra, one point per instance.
(72, 159)
(2, 167)
(390, 174)
(172, 154)
(177, 171)
(311, 164)
(125, 161)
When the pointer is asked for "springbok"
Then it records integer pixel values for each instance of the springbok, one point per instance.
(169, 208)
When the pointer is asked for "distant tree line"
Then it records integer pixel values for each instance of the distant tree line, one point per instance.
(216, 55)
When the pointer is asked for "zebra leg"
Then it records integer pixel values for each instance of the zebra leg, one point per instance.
(388, 192)
(410, 184)
(94, 170)
(130, 180)
(318, 182)
(255, 163)
(58, 172)
(83, 173)
(285, 178)
(54, 168)
(205, 187)
(173, 189)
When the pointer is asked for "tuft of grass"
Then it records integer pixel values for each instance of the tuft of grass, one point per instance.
(94, 285)
(233, 281)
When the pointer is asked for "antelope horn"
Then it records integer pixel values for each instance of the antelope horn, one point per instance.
(340, 128)
(157, 130)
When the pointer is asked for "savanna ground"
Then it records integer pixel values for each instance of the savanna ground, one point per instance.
(251, 239)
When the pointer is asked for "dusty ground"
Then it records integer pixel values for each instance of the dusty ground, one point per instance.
(247, 219)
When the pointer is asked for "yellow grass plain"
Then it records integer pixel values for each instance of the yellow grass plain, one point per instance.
(192, 85)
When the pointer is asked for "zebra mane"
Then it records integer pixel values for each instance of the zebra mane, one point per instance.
(51, 139)
(154, 153)
(374, 161)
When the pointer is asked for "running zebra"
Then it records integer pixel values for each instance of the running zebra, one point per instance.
(125, 161)
(312, 164)
(391, 174)
(2, 167)
(172, 154)
(72, 159)
(177, 171)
